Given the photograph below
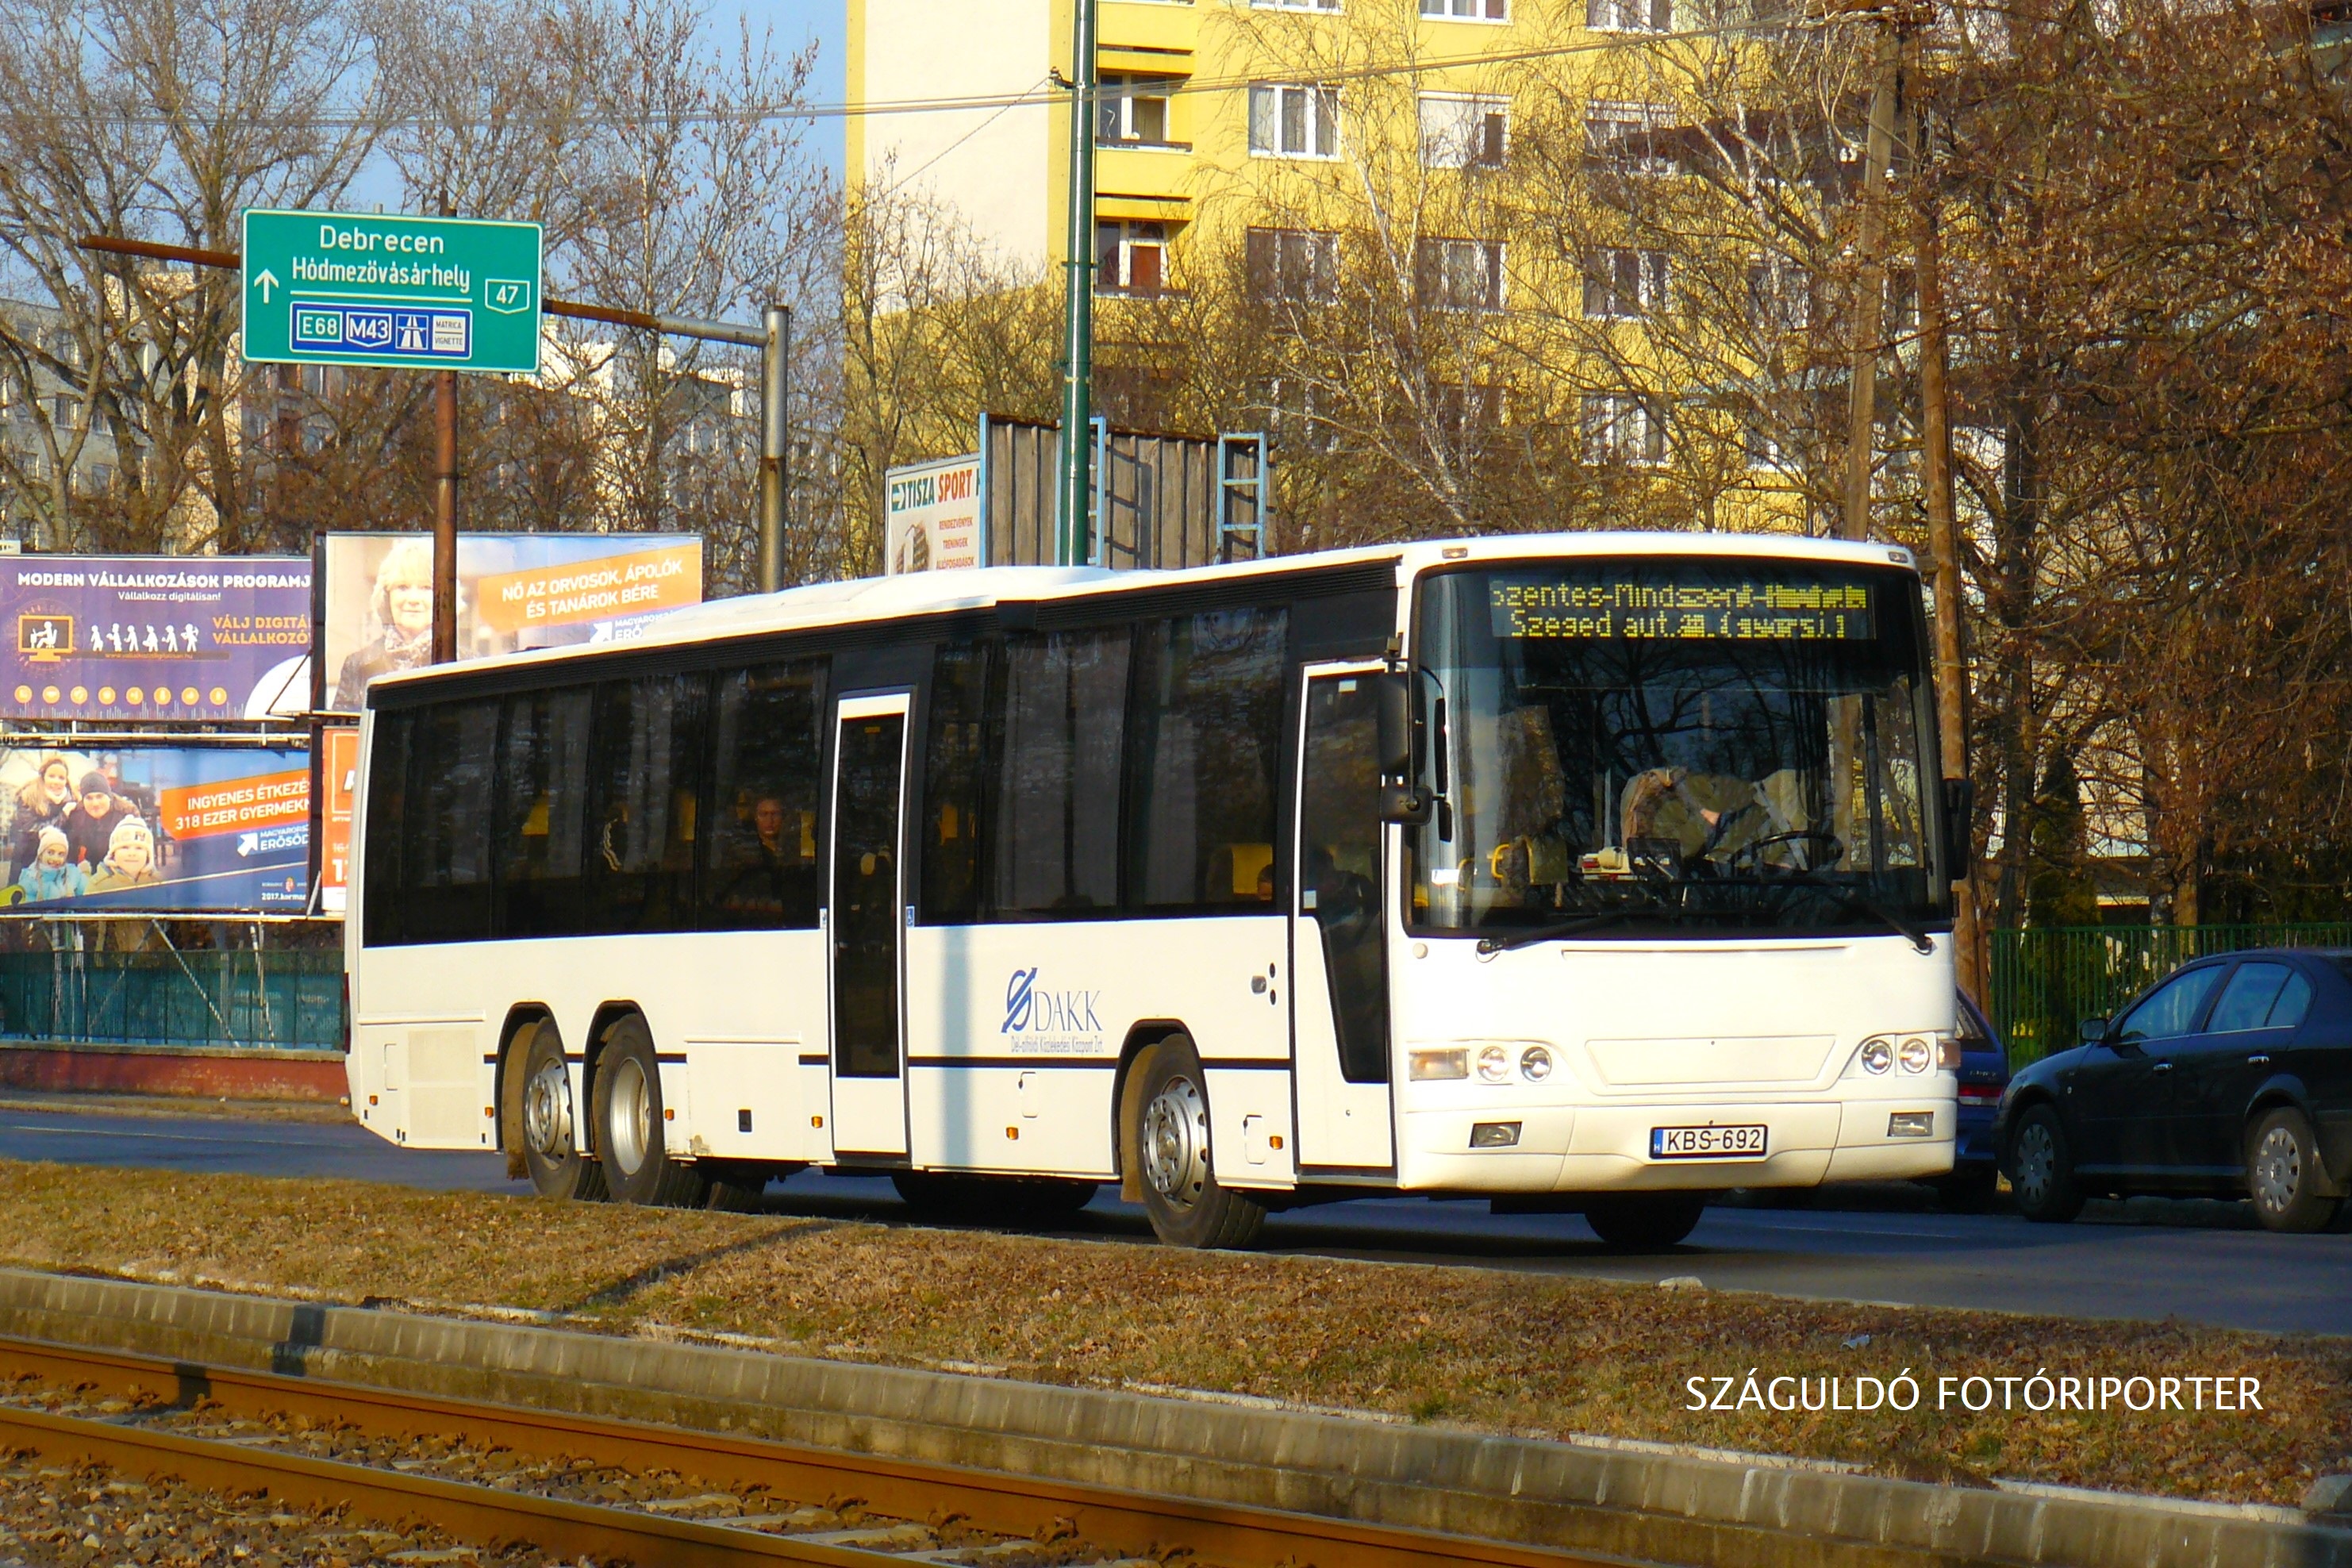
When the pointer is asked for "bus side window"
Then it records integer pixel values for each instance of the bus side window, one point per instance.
(644, 772)
(951, 784)
(387, 798)
(1054, 842)
(542, 767)
(445, 828)
(759, 865)
(1204, 762)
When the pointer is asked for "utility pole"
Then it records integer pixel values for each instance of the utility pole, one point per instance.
(445, 516)
(775, 446)
(1079, 323)
(1870, 303)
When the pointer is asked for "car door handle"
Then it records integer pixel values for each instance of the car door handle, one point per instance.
(2259, 1059)
(2161, 1066)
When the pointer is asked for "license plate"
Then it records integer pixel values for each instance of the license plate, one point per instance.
(1706, 1142)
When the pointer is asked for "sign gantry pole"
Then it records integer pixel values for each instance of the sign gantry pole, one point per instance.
(775, 445)
(1079, 322)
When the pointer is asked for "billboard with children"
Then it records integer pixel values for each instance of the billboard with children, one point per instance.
(374, 597)
(155, 828)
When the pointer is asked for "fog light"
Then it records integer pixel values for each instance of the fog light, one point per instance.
(1917, 1055)
(1426, 1066)
(1948, 1053)
(1877, 1057)
(1535, 1064)
(1911, 1124)
(1494, 1134)
(1495, 1064)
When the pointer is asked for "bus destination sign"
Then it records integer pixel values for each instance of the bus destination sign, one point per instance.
(1652, 604)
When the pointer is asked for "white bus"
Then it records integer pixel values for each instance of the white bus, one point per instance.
(1585, 873)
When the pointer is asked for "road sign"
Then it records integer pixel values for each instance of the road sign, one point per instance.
(378, 289)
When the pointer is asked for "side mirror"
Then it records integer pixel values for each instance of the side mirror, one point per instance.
(1960, 835)
(1393, 694)
(1406, 804)
(2094, 1031)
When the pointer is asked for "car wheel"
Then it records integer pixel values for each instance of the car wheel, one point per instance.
(2042, 1178)
(629, 1126)
(1170, 1141)
(1645, 1222)
(2282, 1174)
(551, 1143)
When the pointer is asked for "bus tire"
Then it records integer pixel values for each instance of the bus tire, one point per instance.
(1645, 1222)
(736, 1185)
(551, 1155)
(1170, 1143)
(629, 1125)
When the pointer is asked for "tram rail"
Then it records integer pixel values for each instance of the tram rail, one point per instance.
(1024, 1511)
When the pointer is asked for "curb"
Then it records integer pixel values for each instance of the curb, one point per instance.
(1658, 1507)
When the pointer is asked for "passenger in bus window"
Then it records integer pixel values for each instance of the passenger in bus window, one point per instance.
(753, 863)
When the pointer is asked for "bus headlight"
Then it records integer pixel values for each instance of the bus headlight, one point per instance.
(1424, 1066)
(1495, 1064)
(1917, 1055)
(1877, 1057)
(1535, 1064)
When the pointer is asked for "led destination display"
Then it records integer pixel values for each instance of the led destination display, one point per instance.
(1653, 604)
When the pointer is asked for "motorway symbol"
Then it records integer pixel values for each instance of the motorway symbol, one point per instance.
(392, 290)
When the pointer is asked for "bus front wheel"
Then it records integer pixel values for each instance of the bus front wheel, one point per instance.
(629, 1125)
(550, 1133)
(1645, 1222)
(1170, 1143)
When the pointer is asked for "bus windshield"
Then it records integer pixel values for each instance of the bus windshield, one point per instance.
(1692, 745)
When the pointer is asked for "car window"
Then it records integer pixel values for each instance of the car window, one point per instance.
(2293, 1001)
(2247, 1000)
(2172, 1008)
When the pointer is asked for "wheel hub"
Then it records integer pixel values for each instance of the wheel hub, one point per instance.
(630, 1133)
(1176, 1142)
(547, 1111)
(2278, 1171)
(2035, 1160)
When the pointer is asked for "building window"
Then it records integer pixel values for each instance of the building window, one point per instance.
(1295, 5)
(1630, 136)
(1630, 16)
(1625, 285)
(1780, 294)
(1468, 10)
(1292, 120)
(1133, 111)
(1293, 412)
(1467, 411)
(1624, 427)
(1300, 266)
(1460, 274)
(1760, 439)
(1459, 132)
(1130, 257)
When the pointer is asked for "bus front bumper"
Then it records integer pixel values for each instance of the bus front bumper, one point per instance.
(1615, 1147)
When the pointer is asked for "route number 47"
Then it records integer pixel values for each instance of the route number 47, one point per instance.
(508, 296)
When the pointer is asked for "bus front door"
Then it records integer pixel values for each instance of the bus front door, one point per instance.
(866, 904)
(1338, 935)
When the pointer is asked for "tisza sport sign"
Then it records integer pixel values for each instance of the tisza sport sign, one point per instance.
(392, 290)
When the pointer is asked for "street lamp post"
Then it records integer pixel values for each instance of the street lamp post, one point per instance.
(1079, 320)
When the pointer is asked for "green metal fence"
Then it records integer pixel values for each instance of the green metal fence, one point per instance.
(286, 1000)
(2044, 983)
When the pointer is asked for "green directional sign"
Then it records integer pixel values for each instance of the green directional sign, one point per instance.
(411, 293)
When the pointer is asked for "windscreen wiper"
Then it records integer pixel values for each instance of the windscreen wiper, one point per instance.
(1488, 944)
(1873, 908)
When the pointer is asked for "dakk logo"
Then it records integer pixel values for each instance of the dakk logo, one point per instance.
(1028, 1010)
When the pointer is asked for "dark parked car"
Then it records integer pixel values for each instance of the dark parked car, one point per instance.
(2232, 1075)
(1984, 1074)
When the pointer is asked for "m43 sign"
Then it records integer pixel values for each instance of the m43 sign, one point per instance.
(439, 293)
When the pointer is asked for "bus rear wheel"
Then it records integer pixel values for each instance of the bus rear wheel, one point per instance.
(550, 1131)
(1645, 1222)
(1170, 1141)
(629, 1125)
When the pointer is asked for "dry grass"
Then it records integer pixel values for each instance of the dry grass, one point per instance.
(1480, 1349)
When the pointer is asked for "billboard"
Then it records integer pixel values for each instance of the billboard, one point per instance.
(374, 597)
(155, 828)
(336, 786)
(132, 638)
(932, 517)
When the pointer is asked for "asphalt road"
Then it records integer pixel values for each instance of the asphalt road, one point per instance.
(2202, 1262)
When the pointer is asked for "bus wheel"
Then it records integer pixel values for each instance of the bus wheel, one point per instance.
(1170, 1143)
(629, 1125)
(1645, 1222)
(551, 1141)
(736, 1185)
